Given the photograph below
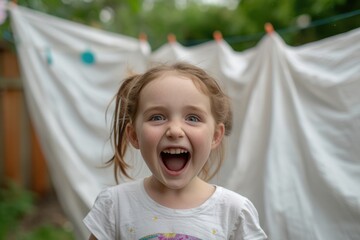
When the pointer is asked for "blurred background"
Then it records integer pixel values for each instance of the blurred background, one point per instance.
(194, 21)
(28, 204)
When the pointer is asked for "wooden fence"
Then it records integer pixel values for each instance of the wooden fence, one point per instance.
(21, 158)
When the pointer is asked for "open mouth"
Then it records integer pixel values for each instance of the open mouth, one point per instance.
(175, 159)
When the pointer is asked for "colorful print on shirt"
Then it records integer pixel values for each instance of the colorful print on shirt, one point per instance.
(169, 236)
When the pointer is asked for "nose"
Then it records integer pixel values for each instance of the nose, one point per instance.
(175, 130)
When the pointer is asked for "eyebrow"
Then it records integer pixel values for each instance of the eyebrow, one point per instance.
(198, 109)
(154, 108)
(163, 108)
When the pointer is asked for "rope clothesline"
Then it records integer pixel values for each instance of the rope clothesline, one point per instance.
(7, 36)
(257, 36)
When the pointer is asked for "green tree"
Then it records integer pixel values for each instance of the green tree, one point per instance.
(194, 22)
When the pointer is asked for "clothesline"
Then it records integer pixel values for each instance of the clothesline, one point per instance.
(259, 35)
(7, 35)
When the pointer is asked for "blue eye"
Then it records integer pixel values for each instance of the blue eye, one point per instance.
(193, 118)
(157, 118)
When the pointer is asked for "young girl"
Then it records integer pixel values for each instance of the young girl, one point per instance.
(177, 117)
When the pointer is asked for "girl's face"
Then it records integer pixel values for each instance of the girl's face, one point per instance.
(174, 130)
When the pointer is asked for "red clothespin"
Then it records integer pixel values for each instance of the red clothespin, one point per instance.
(269, 28)
(171, 38)
(12, 4)
(217, 36)
(143, 37)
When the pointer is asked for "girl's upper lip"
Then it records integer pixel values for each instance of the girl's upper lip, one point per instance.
(175, 147)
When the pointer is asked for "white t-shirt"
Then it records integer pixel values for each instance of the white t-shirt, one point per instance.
(126, 212)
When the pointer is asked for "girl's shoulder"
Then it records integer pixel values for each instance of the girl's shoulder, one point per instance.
(241, 215)
(122, 189)
(111, 194)
(236, 202)
(231, 196)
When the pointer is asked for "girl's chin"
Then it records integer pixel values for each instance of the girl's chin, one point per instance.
(176, 185)
(169, 183)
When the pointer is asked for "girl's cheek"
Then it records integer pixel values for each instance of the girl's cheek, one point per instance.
(149, 133)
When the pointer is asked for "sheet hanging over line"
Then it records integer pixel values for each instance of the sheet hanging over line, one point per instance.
(294, 149)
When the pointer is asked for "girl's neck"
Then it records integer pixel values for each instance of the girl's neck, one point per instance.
(191, 196)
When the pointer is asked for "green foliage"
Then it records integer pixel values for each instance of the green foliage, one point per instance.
(16, 203)
(242, 27)
(195, 22)
(46, 232)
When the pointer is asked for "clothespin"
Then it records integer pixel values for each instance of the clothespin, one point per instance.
(143, 43)
(217, 36)
(171, 38)
(143, 37)
(269, 28)
(12, 3)
(9, 5)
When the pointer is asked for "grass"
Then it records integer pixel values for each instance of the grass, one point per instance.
(17, 204)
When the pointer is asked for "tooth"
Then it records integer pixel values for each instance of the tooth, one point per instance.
(175, 151)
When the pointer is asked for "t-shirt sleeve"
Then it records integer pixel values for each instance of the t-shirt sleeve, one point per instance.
(247, 226)
(101, 220)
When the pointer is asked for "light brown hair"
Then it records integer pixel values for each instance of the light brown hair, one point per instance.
(126, 105)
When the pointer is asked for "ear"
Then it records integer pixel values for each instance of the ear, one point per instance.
(132, 136)
(218, 135)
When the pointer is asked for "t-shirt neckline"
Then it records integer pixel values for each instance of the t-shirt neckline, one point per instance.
(151, 203)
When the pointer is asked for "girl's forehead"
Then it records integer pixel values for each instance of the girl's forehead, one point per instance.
(170, 85)
(166, 78)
